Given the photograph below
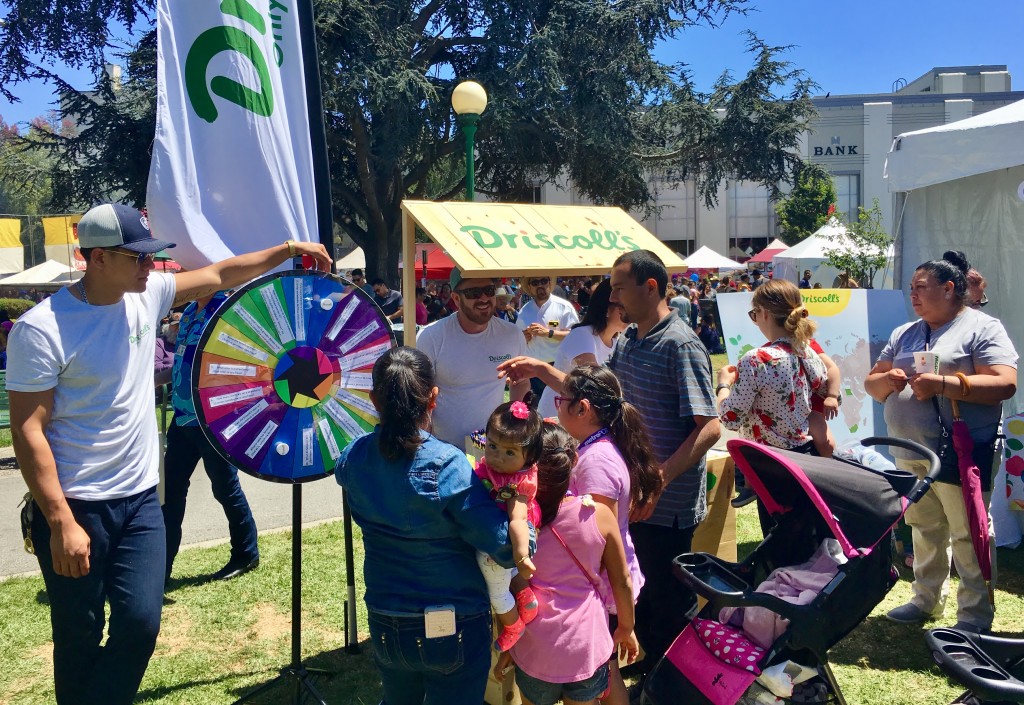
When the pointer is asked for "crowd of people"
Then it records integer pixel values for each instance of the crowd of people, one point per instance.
(591, 475)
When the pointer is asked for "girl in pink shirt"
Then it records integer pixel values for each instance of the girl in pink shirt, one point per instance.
(616, 467)
(563, 653)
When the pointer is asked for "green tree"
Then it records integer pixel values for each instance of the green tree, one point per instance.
(26, 184)
(574, 91)
(808, 205)
(865, 248)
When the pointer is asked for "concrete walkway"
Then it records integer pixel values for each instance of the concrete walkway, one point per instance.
(271, 504)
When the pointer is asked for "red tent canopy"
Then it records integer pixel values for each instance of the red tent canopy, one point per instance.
(439, 265)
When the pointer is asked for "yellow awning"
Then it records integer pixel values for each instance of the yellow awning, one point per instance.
(516, 239)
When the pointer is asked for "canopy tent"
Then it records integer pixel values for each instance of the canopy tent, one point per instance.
(513, 239)
(812, 253)
(439, 264)
(765, 256)
(963, 186)
(49, 273)
(706, 258)
(355, 259)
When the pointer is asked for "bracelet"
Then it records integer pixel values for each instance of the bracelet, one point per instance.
(943, 392)
(291, 247)
(721, 387)
(965, 385)
(520, 561)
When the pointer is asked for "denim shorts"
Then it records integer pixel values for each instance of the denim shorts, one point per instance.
(541, 692)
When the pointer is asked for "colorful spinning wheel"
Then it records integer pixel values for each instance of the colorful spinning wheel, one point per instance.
(282, 373)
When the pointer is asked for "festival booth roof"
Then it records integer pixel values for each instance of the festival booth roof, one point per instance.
(765, 256)
(812, 252)
(355, 259)
(964, 190)
(49, 273)
(515, 239)
(706, 258)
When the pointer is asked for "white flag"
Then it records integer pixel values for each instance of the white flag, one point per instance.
(232, 168)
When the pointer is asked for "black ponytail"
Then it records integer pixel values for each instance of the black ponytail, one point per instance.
(402, 381)
(600, 387)
(554, 469)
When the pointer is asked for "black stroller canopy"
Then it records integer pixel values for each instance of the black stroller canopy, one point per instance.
(859, 505)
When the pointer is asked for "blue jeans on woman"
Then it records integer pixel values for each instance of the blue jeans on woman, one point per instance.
(126, 568)
(450, 670)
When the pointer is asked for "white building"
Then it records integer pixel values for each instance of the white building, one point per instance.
(851, 137)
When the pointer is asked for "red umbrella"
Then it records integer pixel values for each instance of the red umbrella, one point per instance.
(970, 485)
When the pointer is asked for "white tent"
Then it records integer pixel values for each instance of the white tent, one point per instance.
(811, 254)
(355, 259)
(706, 258)
(963, 186)
(49, 273)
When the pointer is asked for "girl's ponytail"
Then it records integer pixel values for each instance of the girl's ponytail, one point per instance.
(403, 379)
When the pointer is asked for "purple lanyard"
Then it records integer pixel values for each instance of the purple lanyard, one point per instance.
(593, 438)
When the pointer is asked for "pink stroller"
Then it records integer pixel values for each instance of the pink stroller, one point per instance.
(810, 500)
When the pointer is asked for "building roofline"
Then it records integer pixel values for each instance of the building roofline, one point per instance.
(845, 101)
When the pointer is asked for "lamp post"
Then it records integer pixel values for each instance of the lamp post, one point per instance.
(469, 100)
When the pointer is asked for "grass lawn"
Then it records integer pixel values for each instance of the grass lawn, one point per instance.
(221, 640)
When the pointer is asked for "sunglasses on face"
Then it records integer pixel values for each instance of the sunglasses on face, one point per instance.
(752, 313)
(475, 292)
(139, 257)
(544, 281)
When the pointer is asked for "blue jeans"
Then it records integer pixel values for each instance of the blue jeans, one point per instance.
(186, 445)
(126, 561)
(441, 671)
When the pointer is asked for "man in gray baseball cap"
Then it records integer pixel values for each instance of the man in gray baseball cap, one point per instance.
(80, 377)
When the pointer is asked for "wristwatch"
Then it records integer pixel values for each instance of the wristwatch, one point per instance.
(551, 332)
(837, 397)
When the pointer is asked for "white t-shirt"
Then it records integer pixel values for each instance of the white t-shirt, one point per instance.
(580, 341)
(99, 362)
(465, 373)
(554, 311)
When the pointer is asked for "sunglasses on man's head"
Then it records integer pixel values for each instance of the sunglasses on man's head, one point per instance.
(139, 257)
(543, 281)
(475, 292)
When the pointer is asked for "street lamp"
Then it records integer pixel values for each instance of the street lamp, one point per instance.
(469, 100)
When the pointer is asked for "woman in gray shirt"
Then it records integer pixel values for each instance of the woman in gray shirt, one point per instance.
(978, 368)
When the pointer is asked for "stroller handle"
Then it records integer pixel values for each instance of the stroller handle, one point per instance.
(915, 488)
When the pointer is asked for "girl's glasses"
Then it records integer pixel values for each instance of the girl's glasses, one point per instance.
(559, 400)
(752, 313)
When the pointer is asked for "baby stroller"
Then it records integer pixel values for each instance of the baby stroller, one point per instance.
(990, 666)
(812, 503)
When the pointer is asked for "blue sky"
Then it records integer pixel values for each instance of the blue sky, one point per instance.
(848, 46)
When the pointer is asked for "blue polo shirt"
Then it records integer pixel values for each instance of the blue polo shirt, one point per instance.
(667, 376)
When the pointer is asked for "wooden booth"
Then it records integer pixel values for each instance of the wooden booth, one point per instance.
(518, 240)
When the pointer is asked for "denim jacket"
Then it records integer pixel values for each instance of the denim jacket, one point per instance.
(423, 521)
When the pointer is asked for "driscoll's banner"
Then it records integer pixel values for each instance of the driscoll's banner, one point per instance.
(232, 168)
(499, 239)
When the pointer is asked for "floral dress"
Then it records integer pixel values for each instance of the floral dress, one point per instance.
(771, 399)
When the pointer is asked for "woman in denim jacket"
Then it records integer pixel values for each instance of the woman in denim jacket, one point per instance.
(423, 518)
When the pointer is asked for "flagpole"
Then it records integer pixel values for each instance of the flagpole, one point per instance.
(325, 227)
(317, 128)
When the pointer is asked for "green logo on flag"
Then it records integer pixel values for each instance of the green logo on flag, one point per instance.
(220, 39)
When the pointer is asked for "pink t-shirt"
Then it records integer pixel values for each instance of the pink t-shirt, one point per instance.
(601, 470)
(523, 482)
(569, 638)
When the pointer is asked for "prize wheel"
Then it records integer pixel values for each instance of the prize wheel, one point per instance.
(281, 379)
